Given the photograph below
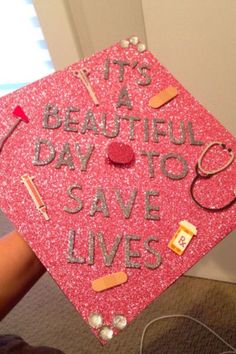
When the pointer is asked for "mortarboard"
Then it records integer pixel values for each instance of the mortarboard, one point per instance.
(120, 181)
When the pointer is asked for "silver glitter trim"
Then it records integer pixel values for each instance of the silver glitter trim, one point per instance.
(91, 248)
(144, 75)
(84, 159)
(191, 134)
(146, 129)
(126, 208)
(119, 322)
(71, 258)
(99, 198)
(36, 160)
(131, 121)
(123, 99)
(107, 69)
(116, 130)
(129, 253)
(89, 123)
(65, 158)
(68, 122)
(157, 132)
(108, 258)
(170, 174)
(182, 138)
(149, 208)
(152, 251)
(122, 65)
(95, 320)
(74, 197)
(150, 155)
(51, 111)
(106, 333)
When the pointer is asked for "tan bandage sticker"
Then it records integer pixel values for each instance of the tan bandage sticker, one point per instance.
(109, 281)
(163, 97)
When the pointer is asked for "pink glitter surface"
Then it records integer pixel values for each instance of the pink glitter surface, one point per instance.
(49, 239)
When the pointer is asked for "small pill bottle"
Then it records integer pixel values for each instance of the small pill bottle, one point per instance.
(182, 237)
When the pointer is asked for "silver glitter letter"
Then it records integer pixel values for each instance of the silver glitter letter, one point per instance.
(39, 162)
(89, 123)
(170, 174)
(65, 160)
(150, 155)
(149, 208)
(51, 111)
(99, 199)
(107, 67)
(191, 134)
(146, 129)
(126, 208)
(121, 64)
(157, 132)
(142, 70)
(129, 254)
(152, 251)
(131, 125)
(68, 122)
(84, 159)
(108, 258)
(123, 99)
(183, 134)
(74, 197)
(116, 130)
(71, 258)
(91, 248)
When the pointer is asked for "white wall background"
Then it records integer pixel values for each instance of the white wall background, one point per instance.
(194, 39)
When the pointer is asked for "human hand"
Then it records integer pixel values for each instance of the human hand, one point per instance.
(19, 270)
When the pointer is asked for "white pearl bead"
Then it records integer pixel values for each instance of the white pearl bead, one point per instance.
(141, 47)
(106, 333)
(95, 320)
(124, 43)
(119, 321)
(134, 40)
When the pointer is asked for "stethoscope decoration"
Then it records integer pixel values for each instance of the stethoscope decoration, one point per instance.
(202, 173)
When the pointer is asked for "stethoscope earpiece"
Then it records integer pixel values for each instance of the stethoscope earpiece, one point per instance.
(205, 151)
(202, 173)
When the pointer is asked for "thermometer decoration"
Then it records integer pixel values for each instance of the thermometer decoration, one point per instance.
(34, 193)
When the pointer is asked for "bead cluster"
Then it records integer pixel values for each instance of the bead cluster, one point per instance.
(124, 43)
(95, 321)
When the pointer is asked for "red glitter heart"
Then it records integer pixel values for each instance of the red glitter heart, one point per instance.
(120, 153)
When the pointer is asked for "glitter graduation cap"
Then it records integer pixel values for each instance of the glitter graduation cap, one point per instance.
(112, 178)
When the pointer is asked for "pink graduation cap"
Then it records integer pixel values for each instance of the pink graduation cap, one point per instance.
(134, 181)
